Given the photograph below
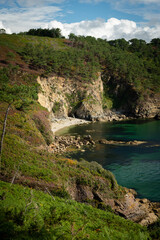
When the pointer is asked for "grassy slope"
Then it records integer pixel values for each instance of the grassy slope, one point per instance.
(16, 42)
(12, 45)
(30, 213)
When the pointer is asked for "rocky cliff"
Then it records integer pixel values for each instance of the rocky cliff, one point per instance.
(68, 97)
(65, 97)
(149, 107)
(131, 100)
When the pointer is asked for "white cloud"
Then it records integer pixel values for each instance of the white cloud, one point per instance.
(111, 29)
(7, 29)
(148, 10)
(23, 19)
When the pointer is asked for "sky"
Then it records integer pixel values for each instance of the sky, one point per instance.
(107, 19)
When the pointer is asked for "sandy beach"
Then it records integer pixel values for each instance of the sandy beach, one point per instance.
(58, 124)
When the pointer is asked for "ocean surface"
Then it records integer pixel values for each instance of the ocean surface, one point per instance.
(135, 167)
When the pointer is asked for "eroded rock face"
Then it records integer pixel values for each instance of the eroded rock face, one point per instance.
(148, 108)
(69, 97)
(135, 209)
(128, 98)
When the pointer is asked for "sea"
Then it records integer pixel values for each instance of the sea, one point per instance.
(136, 167)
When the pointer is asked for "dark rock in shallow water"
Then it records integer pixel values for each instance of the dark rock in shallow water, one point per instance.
(157, 116)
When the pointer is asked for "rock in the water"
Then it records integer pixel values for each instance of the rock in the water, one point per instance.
(112, 142)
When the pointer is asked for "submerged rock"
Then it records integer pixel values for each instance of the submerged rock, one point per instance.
(135, 142)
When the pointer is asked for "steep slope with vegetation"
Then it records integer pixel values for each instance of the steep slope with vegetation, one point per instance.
(48, 212)
(30, 214)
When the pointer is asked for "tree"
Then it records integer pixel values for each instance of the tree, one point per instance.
(54, 32)
(3, 131)
(2, 31)
(155, 42)
(137, 45)
(120, 43)
(72, 36)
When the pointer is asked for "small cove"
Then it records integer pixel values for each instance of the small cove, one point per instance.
(135, 167)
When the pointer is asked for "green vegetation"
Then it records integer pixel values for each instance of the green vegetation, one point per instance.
(154, 230)
(56, 107)
(68, 63)
(30, 214)
(134, 63)
(43, 166)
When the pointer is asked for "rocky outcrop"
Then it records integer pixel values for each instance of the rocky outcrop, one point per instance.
(141, 211)
(112, 115)
(135, 209)
(149, 107)
(69, 97)
(131, 101)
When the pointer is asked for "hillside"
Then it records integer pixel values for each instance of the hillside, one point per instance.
(42, 78)
(129, 71)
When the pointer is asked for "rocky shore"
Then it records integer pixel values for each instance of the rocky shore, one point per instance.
(63, 143)
(130, 207)
(111, 115)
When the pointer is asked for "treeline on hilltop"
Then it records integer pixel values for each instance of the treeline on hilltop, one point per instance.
(53, 32)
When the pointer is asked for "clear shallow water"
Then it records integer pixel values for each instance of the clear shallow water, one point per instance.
(135, 167)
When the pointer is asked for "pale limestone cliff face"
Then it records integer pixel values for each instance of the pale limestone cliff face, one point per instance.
(69, 97)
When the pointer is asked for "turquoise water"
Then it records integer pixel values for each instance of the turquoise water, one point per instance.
(135, 167)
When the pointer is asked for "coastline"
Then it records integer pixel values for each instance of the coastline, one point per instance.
(60, 123)
(143, 211)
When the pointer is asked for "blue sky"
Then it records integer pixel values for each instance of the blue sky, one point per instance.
(109, 19)
(84, 10)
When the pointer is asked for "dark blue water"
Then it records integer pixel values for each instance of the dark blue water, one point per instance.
(135, 167)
